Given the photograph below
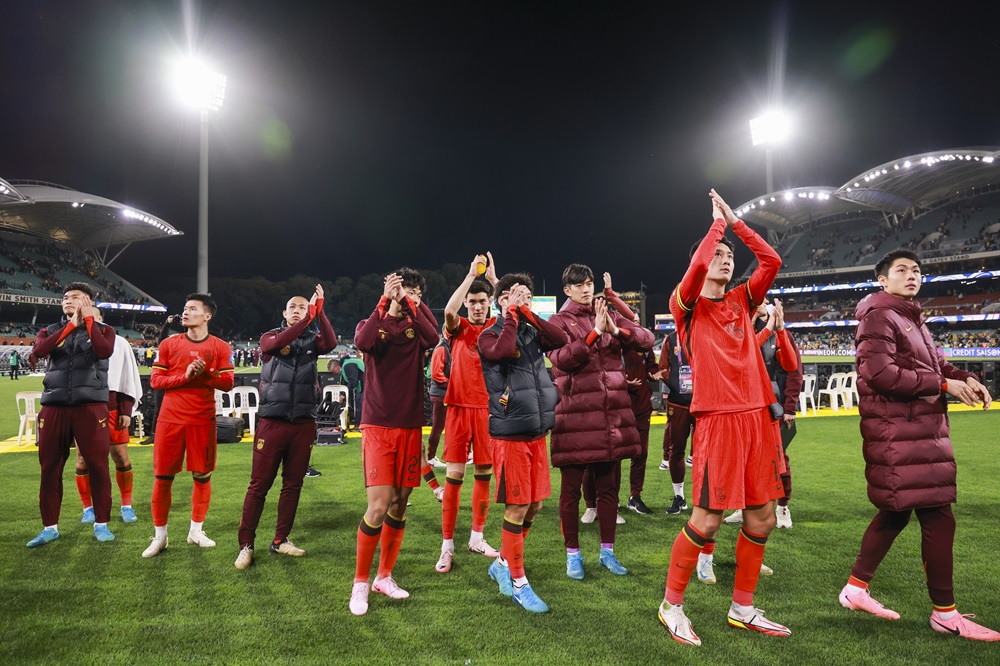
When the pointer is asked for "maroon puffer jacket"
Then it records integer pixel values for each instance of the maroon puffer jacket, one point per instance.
(594, 418)
(904, 419)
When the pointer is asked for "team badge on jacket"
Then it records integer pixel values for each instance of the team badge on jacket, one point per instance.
(260, 444)
(410, 333)
(286, 350)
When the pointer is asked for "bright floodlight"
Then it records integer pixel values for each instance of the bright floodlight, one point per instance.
(199, 87)
(772, 127)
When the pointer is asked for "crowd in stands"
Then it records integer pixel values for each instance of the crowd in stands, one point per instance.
(843, 338)
(44, 268)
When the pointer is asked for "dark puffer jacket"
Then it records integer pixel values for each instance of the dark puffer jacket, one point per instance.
(904, 419)
(594, 418)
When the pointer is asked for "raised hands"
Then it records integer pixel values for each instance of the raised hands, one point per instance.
(491, 269)
(603, 321)
(317, 295)
(607, 282)
(393, 287)
(721, 209)
(778, 316)
(84, 305)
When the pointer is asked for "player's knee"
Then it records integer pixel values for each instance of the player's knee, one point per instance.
(201, 477)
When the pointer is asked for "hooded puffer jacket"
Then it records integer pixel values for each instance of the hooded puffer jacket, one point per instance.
(904, 413)
(594, 418)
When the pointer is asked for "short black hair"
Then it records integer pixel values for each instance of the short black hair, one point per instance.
(885, 263)
(411, 278)
(577, 273)
(81, 286)
(480, 286)
(206, 300)
(725, 241)
(509, 280)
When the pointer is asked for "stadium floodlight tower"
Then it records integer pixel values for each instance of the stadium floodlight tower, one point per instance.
(769, 130)
(203, 89)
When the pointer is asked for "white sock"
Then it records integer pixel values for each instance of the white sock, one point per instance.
(447, 544)
(853, 589)
(679, 489)
(520, 581)
(96, 525)
(160, 532)
(126, 506)
(196, 527)
(91, 507)
(502, 562)
(475, 537)
(702, 558)
(947, 615)
(742, 610)
(52, 527)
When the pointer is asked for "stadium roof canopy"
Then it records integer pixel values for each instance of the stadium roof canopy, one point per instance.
(909, 185)
(87, 221)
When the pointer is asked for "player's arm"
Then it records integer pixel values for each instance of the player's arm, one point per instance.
(124, 404)
(45, 343)
(327, 339)
(632, 336)
(793, 378)
(426, 324)
(452, 318)
(437, 365)
(768, 261)
(271, 342)
(694, 277)
(574, 354)
(876, 356)
(160, 378)
(549, 336)
(786, 352)
(224, 377)
(615, 301)
(497, 347)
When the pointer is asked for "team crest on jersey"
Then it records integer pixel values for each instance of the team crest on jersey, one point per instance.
(410, 333)
(720, 494)
(736, 307)
(260, 444)
(516, 491)
(373, 472)
(41, 423)
(670, 412)
(517, 352)
(286, 350)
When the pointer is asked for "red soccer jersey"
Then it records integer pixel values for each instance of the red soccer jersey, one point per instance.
(728, 372)
(191, 402)
(466, 387)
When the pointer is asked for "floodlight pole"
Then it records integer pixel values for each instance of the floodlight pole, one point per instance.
(202, 286)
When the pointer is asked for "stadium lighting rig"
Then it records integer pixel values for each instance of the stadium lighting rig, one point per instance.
(200, 87)
(768, 130)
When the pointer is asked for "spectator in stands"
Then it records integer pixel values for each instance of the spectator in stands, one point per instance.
(15, 365)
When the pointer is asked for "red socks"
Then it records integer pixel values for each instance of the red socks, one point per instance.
(123, 475)
(683, 559)
(449, 506)
(83, 485)
(428, 473)
(392, 539)
(161, 499)
(512, 547)
(749, 557)
(201, 495)
(480, 501)
(368, 538)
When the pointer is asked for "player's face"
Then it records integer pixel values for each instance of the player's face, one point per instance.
(296, 310)
(720, 269)
(902, 279)
(582, 292)
(478, 306)
(195, 314)
(71, 300)
(415, 293)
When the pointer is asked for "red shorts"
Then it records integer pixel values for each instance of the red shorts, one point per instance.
(464, 426)
(391, 456)
(522, 471)
(173, 440)
(737, 460)
(118, 436)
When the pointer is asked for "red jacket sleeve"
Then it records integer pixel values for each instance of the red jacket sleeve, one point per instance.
(103, 342)
(366, 336)
(427, 326)
(437, 365)
(631, 336)
(45, 343)
(271, 342)
(694, 277)
(549, 337)
(618, 304)
(160, 379)
(768, 262)
(876, 362)
(793, 378)
(327, 339)
(786, 352)
(494, 347)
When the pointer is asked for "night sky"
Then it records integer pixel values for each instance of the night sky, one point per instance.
(356, 137)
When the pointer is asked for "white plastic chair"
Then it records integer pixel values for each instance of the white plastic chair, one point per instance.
(808, 393)
(28, 414)
(335, 391)
(834, 390)
(223, 403)
(246, 400)
(851, 396)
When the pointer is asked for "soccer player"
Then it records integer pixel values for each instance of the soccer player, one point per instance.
(903, 386)
(736, 452)
(124, 395)
(595, 425)
(466, 423)
(675, 366)
(522, 402)
(190, 367)
(74, 407)
(393, 340)
(287, 429)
